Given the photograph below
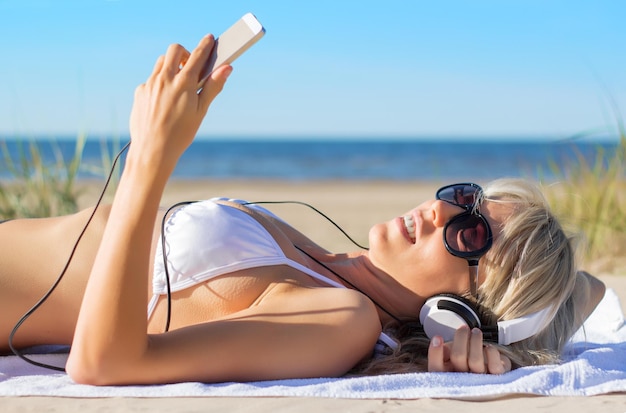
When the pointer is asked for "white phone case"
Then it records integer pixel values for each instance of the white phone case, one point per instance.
(232, 43)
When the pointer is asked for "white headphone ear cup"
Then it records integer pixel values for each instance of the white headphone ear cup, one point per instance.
(442, 315)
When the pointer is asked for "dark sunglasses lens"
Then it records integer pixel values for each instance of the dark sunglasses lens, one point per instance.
(462, 194)
(466, 234)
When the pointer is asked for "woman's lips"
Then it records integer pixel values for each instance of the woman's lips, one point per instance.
(409, 226)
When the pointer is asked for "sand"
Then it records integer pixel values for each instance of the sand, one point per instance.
(355, 206)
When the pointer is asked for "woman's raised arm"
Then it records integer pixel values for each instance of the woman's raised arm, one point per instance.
(111, 334)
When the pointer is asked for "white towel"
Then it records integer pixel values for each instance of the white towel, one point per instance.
(596, 364)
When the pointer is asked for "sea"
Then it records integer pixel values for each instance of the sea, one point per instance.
(348, 159)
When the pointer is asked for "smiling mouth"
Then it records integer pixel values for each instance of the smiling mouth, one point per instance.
(409, 224)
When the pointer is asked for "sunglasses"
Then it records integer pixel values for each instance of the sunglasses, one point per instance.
(467, 235)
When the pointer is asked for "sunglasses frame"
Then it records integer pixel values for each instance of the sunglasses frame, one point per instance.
(472, 257)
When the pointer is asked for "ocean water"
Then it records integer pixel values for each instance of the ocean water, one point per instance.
(347, 159)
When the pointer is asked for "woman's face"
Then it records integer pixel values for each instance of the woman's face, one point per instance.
(421, 264)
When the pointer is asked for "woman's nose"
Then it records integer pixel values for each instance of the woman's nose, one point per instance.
(444, 211)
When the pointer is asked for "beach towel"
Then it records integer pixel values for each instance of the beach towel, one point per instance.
(595, 363)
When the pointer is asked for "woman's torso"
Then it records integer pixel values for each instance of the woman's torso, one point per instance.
(33, 253)
(224, 257)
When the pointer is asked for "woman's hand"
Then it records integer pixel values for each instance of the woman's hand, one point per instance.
(466, 353)
(167, 110)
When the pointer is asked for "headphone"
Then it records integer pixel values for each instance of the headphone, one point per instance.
(443, 314)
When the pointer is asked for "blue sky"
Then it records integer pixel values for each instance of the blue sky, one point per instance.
(326, 67)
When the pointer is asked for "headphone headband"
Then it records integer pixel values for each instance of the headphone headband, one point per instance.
(518, 329)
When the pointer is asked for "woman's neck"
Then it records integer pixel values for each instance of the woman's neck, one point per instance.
(356, 271)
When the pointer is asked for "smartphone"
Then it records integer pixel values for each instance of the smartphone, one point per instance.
(232, 43)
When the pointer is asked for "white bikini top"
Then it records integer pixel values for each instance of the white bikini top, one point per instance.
(206, 239)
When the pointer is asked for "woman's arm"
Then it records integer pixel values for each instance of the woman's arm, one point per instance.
(295, 333)
(111, 333)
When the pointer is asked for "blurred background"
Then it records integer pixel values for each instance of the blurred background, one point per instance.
(373, 96)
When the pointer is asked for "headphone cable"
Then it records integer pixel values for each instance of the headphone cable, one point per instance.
(60, 276)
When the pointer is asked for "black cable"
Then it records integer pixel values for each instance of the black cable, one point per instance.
(347, 282)
(167, 274)
(316, 210)
(321, 263)
(58, 280)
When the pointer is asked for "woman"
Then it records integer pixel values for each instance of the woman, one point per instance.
(233, 318)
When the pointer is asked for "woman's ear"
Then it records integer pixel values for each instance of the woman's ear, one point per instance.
(588, 292)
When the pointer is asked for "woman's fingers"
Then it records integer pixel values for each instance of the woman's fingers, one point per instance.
(158, 65)
(175, 59)
(466, 353)
(214, 86)
(460, 349)
(436, 355)
(496, 363)
(476, 357)
(199, 57)
(191, 68)
(188, 67)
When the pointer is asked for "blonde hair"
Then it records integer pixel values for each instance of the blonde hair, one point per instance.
(531, 266)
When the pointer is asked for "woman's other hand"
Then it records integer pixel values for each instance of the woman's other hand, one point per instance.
(168, 109)
(466, 353)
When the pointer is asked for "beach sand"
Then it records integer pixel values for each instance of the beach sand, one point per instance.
(355, 206)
